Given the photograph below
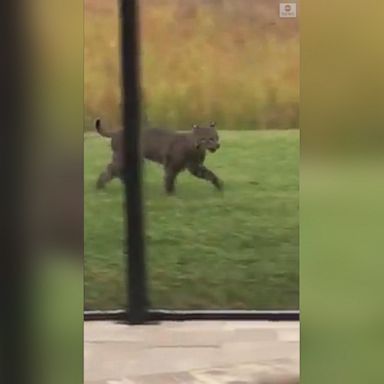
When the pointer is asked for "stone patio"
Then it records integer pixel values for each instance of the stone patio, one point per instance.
(195, 352)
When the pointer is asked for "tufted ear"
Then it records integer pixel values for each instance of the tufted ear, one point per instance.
(212, 124)
(195, 127)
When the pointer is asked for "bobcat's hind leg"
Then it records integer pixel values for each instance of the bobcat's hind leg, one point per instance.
(106, 176)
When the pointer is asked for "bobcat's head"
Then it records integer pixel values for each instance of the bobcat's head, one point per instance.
(207, 138)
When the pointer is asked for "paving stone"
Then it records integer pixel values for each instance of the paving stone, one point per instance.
(252, 373)
(176, 378)
(204, 338)
(288, 335)
(246, 352)
(252, 335)
(274, 325)
(190, 352)
(99, 331)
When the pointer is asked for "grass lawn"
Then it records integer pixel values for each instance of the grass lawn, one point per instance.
(238, 249)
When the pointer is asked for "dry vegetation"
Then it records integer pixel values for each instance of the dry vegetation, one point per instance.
(234, 61)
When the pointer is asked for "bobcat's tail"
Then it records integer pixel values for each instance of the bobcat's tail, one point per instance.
(100, 129)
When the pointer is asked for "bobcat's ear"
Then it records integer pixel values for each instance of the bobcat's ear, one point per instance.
(212, 124)
(195, 127)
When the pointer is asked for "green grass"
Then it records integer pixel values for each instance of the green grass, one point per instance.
(238, 249)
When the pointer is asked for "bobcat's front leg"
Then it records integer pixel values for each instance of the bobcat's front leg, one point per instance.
(202, 172)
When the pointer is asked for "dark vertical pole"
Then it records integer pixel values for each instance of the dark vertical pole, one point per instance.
(137, 283)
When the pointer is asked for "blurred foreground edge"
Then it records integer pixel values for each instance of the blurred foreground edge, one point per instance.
(14, 343)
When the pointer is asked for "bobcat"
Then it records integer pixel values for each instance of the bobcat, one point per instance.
(176, 152)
